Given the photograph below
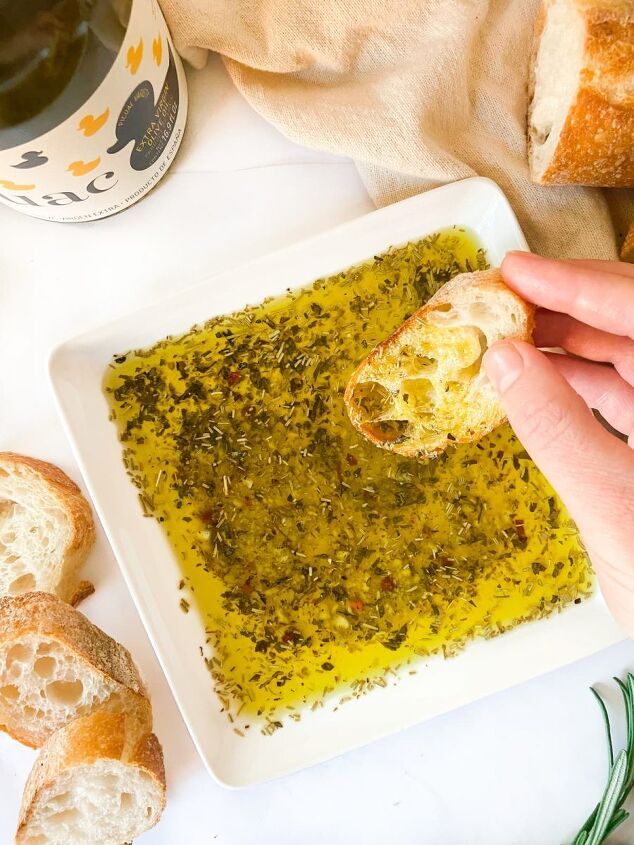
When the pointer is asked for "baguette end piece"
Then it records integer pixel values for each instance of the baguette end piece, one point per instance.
(100, 780)
(581, 94)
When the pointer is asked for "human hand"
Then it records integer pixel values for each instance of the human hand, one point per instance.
(587, 308)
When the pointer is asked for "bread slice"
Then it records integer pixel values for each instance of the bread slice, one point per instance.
(581, 94)
(55, 666)
(46, 529)
(423, 388)
(98, 781)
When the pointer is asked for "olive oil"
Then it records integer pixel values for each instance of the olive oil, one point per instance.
(318, 561)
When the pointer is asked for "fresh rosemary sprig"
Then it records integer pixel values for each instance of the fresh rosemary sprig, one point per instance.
(609, 813)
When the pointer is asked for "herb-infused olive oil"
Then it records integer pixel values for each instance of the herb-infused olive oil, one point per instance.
(317, 560)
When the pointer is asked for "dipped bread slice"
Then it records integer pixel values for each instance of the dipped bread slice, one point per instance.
(98, 781)
(46, 529)
(55, 666)
(423, 389)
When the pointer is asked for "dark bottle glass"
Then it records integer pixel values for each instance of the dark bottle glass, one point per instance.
(53, 56)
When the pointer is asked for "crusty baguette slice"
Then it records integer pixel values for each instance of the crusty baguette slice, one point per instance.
(55, 665)
(581, 94)
(423, 388)
(98, 781)
(46, 529)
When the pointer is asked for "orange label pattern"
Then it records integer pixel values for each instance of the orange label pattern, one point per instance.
(157, 50)
(90, 125)
(135, 54)
(13, 186)
(80, 168)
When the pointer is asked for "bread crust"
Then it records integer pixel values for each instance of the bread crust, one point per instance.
(596, 144)
(488, 281)
(627, 247)
(75, 505)
(125, 736)
(45, 615)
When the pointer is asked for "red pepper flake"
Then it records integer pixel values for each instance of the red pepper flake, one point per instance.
(356, 605)
(207, 517)
(233, 378)
(291, 636)
(388, 584)
(247, 587)
(351, 460)
(520, 530)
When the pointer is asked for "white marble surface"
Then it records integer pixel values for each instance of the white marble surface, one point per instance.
(520, 768)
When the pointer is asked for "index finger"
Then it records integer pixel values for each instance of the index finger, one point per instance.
(592, 292)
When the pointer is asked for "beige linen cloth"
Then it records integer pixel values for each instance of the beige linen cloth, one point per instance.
(417, 92)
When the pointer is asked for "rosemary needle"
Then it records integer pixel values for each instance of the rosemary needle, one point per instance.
(606, 722)
(609, 813)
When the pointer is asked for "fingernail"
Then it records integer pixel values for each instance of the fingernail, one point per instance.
(522, 254)
(503, 365)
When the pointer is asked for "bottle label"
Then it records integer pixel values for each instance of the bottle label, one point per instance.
(118, 145)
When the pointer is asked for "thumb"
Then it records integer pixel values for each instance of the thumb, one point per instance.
(592, 471)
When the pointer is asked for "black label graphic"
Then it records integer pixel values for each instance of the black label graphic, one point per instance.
(149, 124)
(31, 158)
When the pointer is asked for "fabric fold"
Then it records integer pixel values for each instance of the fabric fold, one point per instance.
(418, 92)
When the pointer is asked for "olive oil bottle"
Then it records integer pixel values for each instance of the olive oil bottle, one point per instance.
(93, 104)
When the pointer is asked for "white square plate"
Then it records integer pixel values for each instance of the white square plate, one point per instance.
(151, 570)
